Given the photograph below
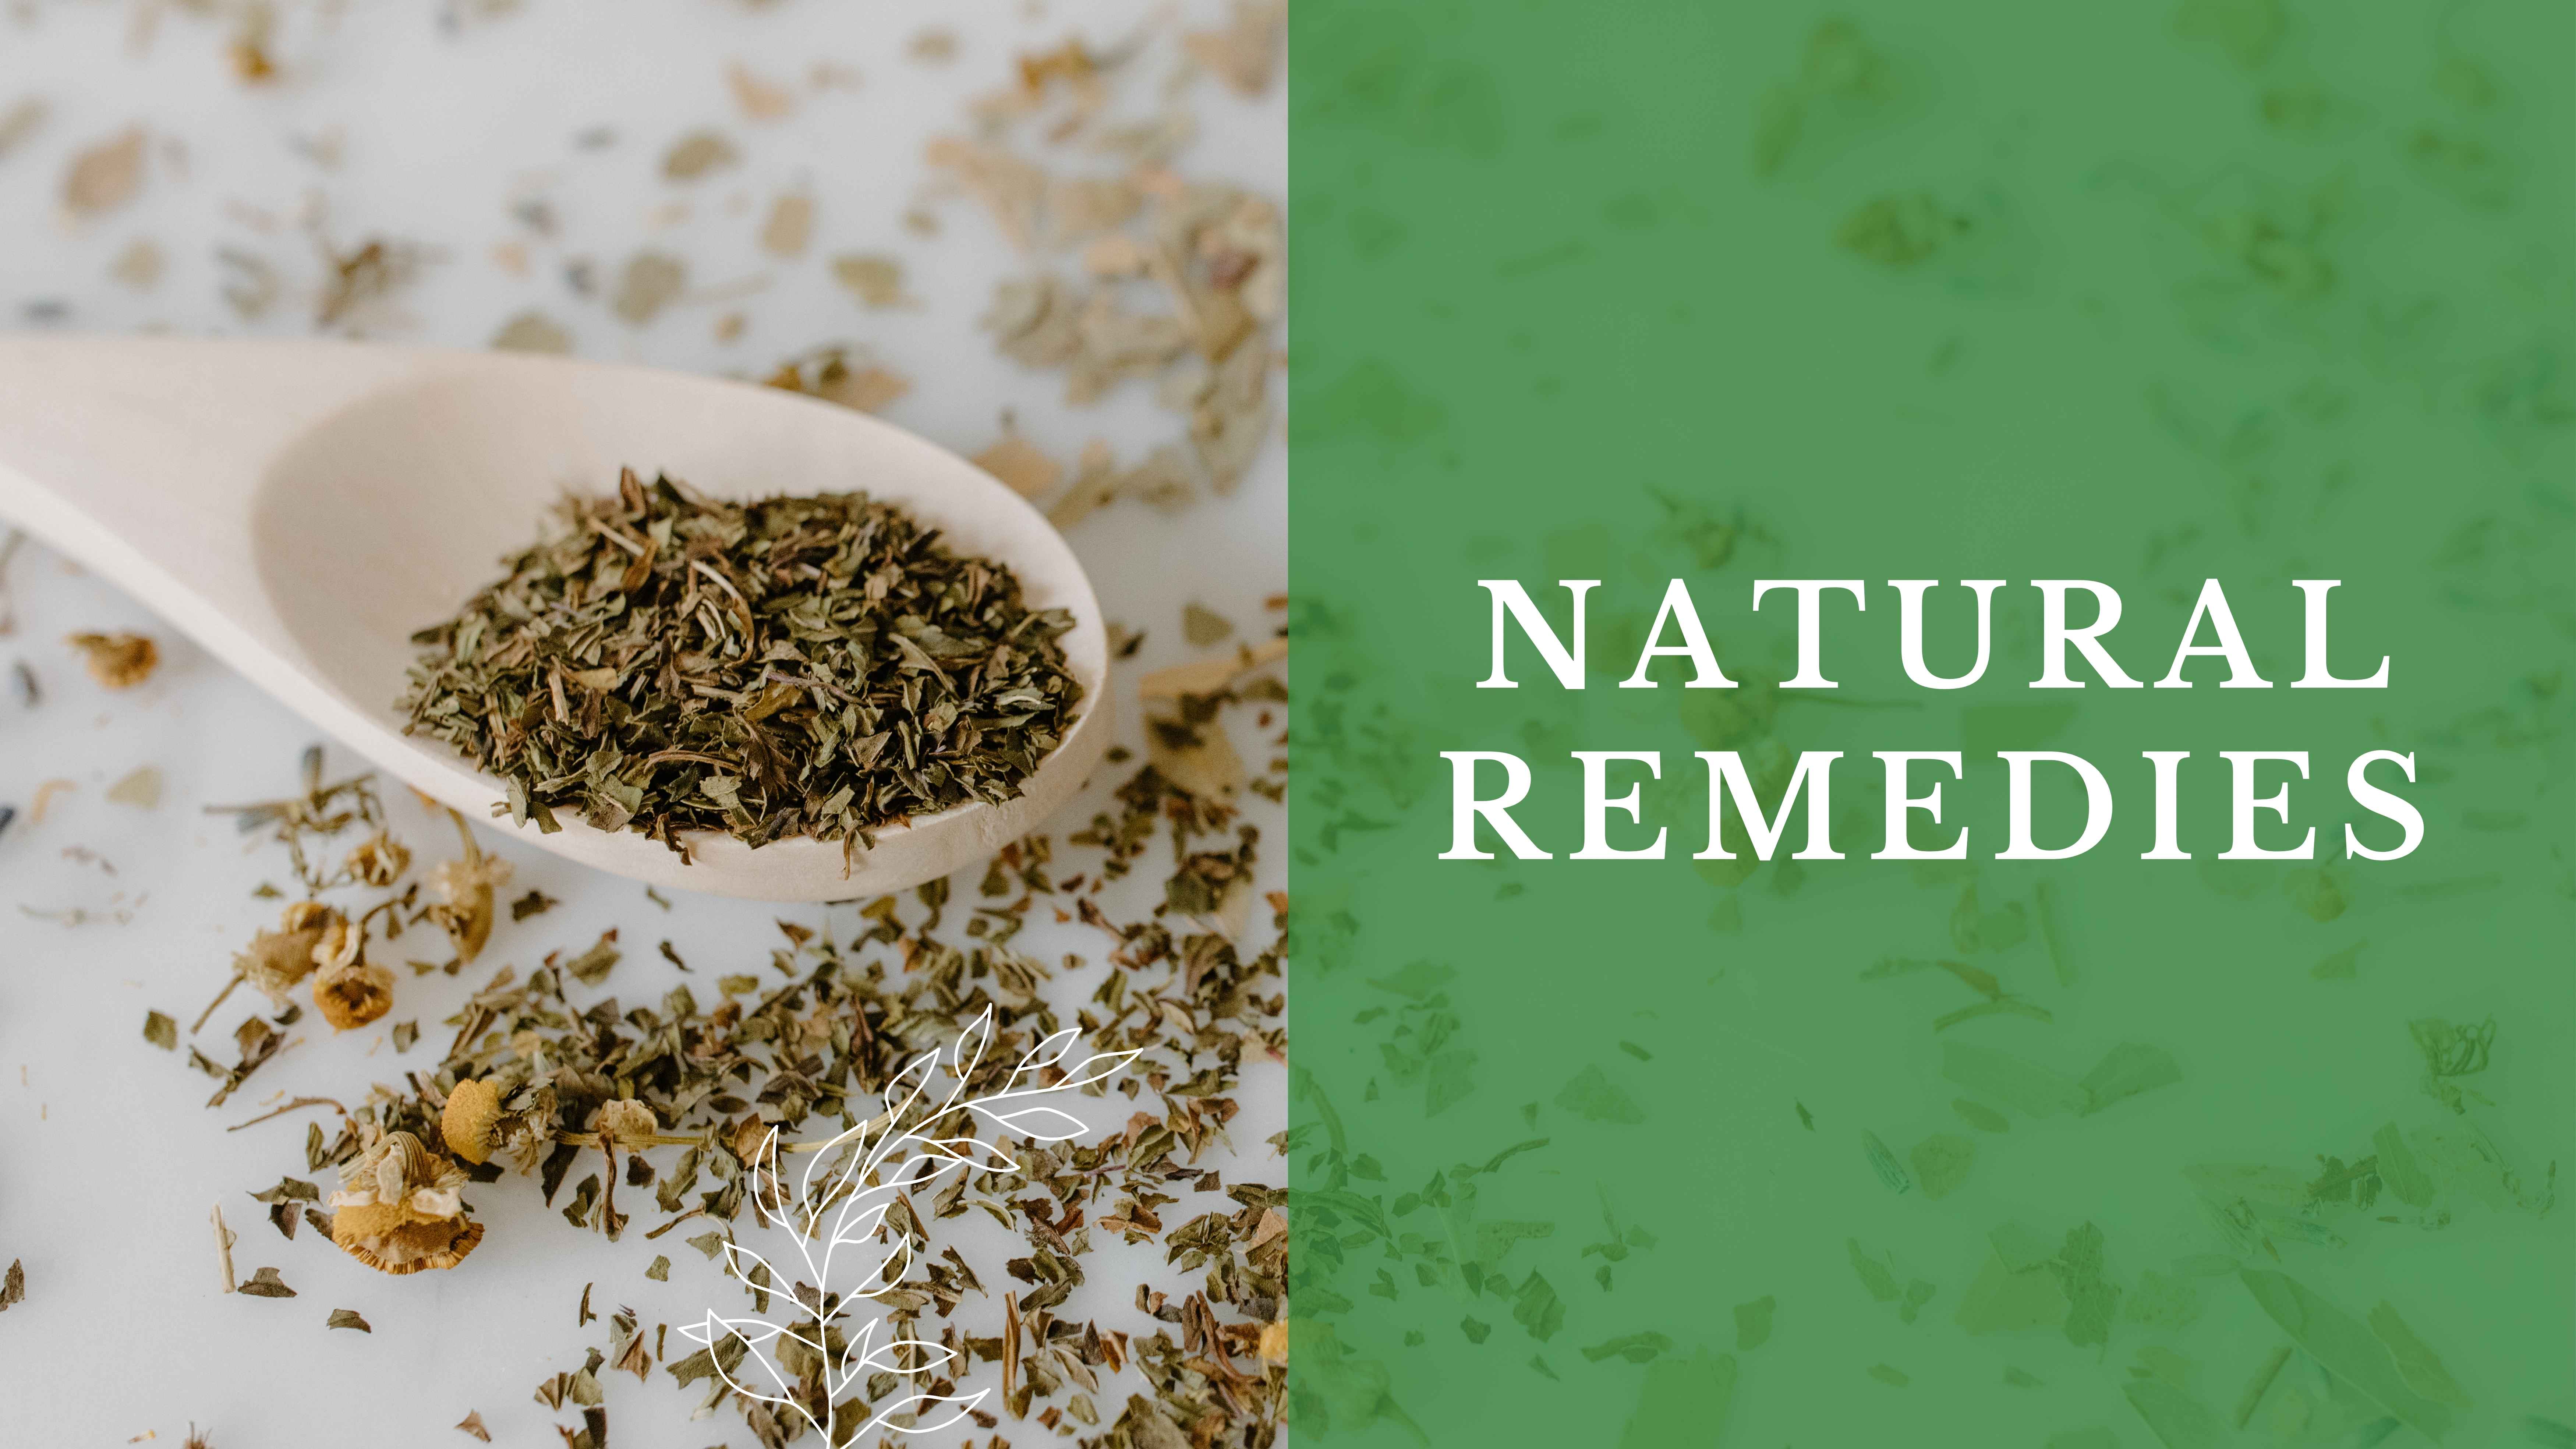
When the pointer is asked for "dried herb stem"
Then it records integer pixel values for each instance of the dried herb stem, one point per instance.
(296, 1105)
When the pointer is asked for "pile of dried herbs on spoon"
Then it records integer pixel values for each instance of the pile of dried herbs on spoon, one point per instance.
(818, 665)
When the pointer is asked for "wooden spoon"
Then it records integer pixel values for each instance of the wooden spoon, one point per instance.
(301, 507)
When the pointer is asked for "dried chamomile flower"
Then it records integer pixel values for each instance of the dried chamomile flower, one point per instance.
(399, 1208)
(351, 996)
(349, 990)
(276, 962)
(379, 860)
(119, 661)
(628, 1121)
(342, 942)
(465, 887)
(477, 1127)
(471, 1121)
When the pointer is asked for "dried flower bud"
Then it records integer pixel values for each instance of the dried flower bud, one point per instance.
(352, 993)
(465, 887)
(628, 1121)
(472, 1120)
(341, 942)
(398, 1209)
(119, 661)
(379, 860)
(276, 961)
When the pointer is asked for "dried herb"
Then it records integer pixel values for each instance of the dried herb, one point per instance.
(318, 815)
(797, 666)
(348, 1318)
(140, 788)
(827, 373)
(119, 661)
(677, 1097)
(105, 176)
(13, 1284)
(265, 1283)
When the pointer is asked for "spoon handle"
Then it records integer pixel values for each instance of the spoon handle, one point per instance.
(141, 456)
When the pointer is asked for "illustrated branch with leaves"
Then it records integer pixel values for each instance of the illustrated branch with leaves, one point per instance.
(837, 1218)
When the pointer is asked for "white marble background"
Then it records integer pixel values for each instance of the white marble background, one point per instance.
(435, 124)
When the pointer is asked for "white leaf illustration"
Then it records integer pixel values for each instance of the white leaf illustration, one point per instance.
(924, 1356)
(1045, 1124)
(839, 1209)
(1045, 1054)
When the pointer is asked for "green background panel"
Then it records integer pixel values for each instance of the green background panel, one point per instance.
(2141, 294)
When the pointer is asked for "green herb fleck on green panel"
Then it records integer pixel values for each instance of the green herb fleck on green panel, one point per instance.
(2005, 1299)
(2177, 1419)
(2417, 1364)
(1884, 1163)
(1537, 1308)
(2161, 1301)
(2549, 1433)
(2129, 1070)
(2044, 902)
(1753, 1322)
(1879, 1277)
(1634, 1347)
(1941, 1163)
(2025, 1086)
(1592, 1097)
(1682, 1401)
(2345, 1348)
(1980, 1116)
(2450, 1053)
(1876, 1276)
(2398, 1169)
(2090, 1297)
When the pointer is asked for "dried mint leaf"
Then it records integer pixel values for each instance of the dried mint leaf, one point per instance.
(266, 1284)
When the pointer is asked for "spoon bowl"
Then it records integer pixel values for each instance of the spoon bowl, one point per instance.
(301, 507)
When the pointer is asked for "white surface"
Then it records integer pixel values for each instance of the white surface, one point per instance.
(107, 1161)
(301, 507)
